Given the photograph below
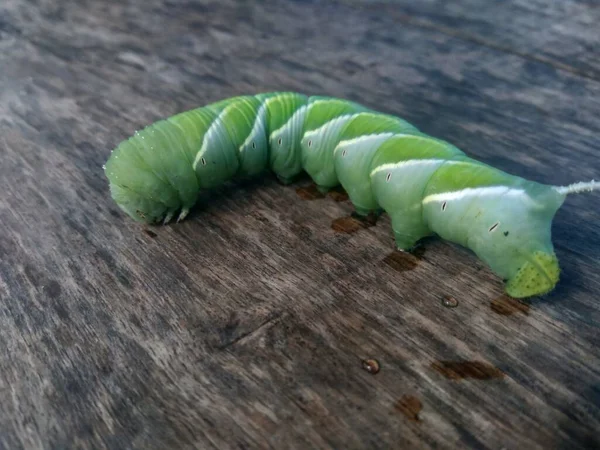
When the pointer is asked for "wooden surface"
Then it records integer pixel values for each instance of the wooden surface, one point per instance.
(246, 326)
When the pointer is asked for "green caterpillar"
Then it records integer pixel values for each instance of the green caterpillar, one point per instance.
(426, 185)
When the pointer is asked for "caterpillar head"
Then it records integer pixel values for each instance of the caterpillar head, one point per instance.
(514, 239)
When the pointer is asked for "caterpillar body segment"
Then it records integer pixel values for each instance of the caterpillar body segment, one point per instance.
(426, 185)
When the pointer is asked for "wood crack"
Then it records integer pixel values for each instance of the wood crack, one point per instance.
(249, 334)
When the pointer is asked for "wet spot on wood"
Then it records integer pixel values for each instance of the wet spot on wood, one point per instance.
(338, 194)
(371, 365)
(303, 232)
(105, 361)
(507, 306)
(228, 332)
(410, 406)
(310, 192)
(346, 225)
(53, 289)
(369, 220)
(63, 336)
(449, 302)
(353, 223)
(401, 261)
(458, 370)
(150, 233)
(33, 274)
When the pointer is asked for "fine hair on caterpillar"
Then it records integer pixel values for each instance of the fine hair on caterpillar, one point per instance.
(426, 185)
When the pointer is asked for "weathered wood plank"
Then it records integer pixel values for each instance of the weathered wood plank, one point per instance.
(245, 326)
(563, 34)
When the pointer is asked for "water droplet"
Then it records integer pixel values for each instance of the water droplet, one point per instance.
(449, 302)
(371, 365)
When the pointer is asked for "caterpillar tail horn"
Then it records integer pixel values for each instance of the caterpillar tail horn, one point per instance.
(577, 188)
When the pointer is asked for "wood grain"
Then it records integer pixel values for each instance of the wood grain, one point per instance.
(246, 326)
(562, 34)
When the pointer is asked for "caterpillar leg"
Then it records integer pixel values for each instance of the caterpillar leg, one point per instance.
(183, 214)
(408, 230)
(367, 220)
(323, 189)
(365, 212)
(285, 180)
(168, 217)
(405, 242)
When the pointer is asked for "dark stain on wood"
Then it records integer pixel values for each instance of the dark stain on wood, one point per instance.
(310, 192)
(371, 365)
(507, 306)
(150, 233)
(346, 225)
(458, 370)
(63, 336)
(401, 261)
(52, 288)
(228, 332)
(105, 363)
(338, 194)
(410, 406)
(370, 220)
(353, 223)
(33, 274)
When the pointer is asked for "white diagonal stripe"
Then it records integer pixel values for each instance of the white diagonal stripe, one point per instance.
(293, 118)
(210, 133)
(493, 191)
(361, 139)
(259, 122)
(409, 162)
(332, 122)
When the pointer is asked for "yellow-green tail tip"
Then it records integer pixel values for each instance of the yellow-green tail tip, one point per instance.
(537, 276)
